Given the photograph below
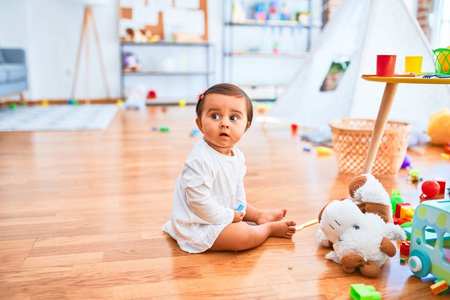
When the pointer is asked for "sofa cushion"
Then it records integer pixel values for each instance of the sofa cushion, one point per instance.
(14, 72)
(2, 58)
(3, 75)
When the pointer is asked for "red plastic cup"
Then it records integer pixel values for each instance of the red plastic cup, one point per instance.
(386, 65)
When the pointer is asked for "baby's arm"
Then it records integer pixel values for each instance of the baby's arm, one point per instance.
(203, 205)
(240, 197)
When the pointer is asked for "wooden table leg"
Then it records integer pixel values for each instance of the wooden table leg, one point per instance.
(380, 123)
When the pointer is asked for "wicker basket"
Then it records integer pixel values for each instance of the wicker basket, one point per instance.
(351, 138)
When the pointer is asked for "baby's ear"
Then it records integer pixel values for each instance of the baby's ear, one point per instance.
(248, 126)
(199, 124)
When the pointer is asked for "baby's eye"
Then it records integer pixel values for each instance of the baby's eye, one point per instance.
(234, 118)
(356, 227)
(215, 116)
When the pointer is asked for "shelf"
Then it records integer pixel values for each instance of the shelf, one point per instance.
(167, 44)
(177, 75)
(269, 54)
(273, 48)
(269, 23)
(162, 73)
(171, 101)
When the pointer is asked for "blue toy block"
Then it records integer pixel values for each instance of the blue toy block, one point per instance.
(240, 207)
(364, 292)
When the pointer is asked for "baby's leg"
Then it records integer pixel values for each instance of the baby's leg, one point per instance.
(260, 216)
(241, 236)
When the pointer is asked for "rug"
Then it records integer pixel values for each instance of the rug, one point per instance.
(57, 117)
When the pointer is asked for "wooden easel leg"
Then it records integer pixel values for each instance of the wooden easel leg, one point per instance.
(380, 123)
(80, 46)
(88, 13)
(22, 98)
(100, 55)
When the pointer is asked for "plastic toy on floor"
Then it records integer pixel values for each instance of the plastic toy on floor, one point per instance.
(359, 229)
(430, 240)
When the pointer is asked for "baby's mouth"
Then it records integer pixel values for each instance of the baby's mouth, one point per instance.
(223, 134)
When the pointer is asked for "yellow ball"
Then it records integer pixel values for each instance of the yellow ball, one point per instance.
(439, 127)
(182, 102)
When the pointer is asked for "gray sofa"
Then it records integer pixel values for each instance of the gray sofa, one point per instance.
(13, 72)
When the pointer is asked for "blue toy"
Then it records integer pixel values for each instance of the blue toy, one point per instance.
(430, 240)
(240, 207)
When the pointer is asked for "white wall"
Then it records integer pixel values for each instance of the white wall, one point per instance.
(49, 30)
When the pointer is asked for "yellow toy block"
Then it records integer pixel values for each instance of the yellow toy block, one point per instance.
(439, 287)
(407, 212)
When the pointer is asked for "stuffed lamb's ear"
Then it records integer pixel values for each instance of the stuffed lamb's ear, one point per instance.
(355, 184)
(321, 212)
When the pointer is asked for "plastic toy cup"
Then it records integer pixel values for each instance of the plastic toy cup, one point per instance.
(386, 65)
(413, 64)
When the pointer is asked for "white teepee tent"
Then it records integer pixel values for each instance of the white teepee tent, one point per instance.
(358, 32)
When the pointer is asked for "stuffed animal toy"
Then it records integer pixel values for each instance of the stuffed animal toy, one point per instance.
(359, 228)
(130, 62)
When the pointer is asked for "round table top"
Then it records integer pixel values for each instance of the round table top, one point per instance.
(407, 79)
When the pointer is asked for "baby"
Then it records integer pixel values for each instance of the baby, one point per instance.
(209, 203)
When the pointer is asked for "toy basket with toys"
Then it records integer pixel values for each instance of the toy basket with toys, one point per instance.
(351, 138)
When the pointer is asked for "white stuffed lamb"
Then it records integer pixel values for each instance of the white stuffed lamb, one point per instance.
(360, 240)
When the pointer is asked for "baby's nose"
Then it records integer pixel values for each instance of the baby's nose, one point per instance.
(224, 123)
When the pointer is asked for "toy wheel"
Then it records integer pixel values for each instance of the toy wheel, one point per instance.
(419, 263)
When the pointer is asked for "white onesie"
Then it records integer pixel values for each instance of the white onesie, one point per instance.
(208, 190)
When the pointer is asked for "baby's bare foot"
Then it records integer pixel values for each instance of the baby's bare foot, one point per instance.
(271, 216)
(283, 229)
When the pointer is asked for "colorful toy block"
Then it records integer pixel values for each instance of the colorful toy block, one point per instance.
(364, 292)
(321, 151)
(404, 248)
(442, 182)
(396, 198)
(439, 287)
(399, 206)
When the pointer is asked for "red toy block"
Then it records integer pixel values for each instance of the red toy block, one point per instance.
(442, 183)
(394, 219)
(402, 221)
(398, 208)
(404, 248)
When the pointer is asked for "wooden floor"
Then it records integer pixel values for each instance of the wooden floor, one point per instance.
(81, 215)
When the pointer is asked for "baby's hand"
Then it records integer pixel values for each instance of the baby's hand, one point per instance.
(238, 216)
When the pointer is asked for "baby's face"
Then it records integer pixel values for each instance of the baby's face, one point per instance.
(223, 121)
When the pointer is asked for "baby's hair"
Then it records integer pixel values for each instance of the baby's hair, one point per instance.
(225, 89)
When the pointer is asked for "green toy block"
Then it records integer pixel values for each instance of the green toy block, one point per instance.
(164, 129)
(364, 292)
(395, 199)
(395, 192)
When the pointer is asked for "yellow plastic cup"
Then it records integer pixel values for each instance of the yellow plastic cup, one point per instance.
(413, 64)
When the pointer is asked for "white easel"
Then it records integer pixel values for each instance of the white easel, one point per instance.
(89, 14)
